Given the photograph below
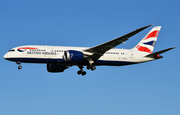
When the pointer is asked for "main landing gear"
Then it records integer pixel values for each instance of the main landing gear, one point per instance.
(19, 63)
(90, 66)
(82, 72)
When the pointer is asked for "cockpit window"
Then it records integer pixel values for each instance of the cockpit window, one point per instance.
(12, 50)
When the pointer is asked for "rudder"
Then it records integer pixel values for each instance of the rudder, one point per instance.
(148, 42)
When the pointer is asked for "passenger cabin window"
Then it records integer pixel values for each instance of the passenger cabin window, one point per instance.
(12, 50)
(58, 50)
(112, 53)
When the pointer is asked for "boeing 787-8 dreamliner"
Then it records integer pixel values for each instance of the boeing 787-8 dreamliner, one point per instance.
(59, 58)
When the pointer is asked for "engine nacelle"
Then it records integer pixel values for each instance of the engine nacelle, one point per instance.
(55, 68)
(72, 55)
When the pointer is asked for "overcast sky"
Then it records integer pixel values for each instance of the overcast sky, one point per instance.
(151, 88)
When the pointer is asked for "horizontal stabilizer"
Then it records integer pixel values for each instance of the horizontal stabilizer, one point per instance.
(159, 52)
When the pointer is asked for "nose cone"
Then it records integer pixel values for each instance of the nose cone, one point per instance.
(6, 56)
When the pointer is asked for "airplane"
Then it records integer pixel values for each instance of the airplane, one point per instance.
(60, 58)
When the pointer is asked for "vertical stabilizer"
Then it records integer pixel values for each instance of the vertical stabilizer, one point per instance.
(148, 42)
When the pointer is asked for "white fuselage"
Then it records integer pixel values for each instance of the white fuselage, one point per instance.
(54, 54)
(59, 58)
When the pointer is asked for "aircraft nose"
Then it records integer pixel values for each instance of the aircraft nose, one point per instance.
(6, 56)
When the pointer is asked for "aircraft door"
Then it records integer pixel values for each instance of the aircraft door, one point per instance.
(131, 55)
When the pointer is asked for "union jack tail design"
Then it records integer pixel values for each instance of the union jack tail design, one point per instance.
(148, 42)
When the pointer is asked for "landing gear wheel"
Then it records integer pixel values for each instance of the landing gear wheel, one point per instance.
(81, 72)
(20, 67)
(19, 63)
(93, 68)
(89, 67)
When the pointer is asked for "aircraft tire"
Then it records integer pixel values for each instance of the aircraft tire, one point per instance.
(20, 67)
(93, 68)
(88, 67)
(79, 72)
(83, 73)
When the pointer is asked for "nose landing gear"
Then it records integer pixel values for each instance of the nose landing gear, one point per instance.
(19, 67)
(19, 63)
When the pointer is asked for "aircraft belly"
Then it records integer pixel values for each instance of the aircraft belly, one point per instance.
(113, 63)
(35, 60)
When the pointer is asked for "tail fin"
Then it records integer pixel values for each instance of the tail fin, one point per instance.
(148, 42)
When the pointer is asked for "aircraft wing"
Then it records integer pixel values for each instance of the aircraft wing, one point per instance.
(99, 50)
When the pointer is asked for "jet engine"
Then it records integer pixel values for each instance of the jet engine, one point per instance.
(55, 68)
(72, 55)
